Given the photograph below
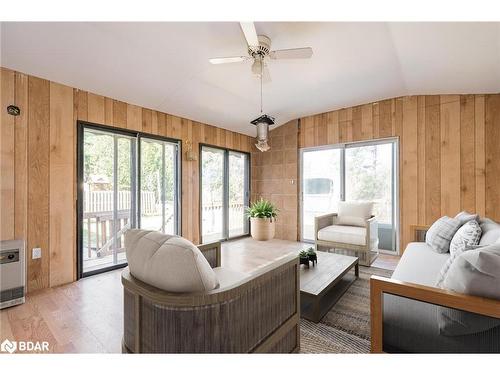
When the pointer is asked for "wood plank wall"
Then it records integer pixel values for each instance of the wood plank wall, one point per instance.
(449, 150)
(38, 165)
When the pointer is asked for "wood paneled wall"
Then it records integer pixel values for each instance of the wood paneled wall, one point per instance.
(38, 165)
(449, 150)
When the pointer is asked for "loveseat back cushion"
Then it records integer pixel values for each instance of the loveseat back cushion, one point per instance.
(491, 232)
(354, 213)
(168, 262)
(439, 235)
(465, 217)
(474, 272)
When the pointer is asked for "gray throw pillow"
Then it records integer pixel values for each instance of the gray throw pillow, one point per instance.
(439, 235)
(474, 272)
(465, 217)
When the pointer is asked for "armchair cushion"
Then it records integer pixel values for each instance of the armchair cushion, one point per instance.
(353, 235)
(354, 213)
(168, 262)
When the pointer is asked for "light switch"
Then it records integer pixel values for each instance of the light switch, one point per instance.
(36, 253)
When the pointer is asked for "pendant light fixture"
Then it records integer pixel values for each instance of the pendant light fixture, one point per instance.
(263, 121)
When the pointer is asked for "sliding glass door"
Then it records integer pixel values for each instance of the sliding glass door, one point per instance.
(126, 180)
(224, 193)
(364, 171)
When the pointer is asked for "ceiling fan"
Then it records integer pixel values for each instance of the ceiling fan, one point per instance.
(259, 50)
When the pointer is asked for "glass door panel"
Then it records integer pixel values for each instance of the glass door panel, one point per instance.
(212, 194)
(151, 211)
(369, 176)
(170, 206)
(158, 203)
(108, 207)
(321, 186)
(238, 194)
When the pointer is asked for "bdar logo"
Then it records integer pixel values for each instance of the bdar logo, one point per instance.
(8, 346)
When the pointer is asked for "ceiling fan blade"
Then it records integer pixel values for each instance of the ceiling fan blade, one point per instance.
(292, 53)
(226, 60)
(266, 75)
(248, 29)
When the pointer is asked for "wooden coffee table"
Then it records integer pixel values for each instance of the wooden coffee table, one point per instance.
(321, 286)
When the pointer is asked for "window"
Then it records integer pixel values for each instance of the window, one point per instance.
(364, 171)
(126, 180)
(224, 193)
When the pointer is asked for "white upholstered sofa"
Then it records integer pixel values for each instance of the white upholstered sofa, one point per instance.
(353, 230)
(408, 311)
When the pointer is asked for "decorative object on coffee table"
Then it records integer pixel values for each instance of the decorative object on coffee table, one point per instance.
(262, 214)
(313, 258)
(304, 258)
(323, 285)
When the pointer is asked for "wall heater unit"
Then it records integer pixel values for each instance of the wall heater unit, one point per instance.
(12, 273)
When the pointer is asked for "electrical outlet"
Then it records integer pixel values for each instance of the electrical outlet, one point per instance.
(36, 253)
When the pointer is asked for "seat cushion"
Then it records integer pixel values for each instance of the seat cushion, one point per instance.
(168, 262)
(420, 264)
(354, 213)
(343, 233)
(228, 277)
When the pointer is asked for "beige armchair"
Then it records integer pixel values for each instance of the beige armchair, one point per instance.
(359, 240)
(245, 313)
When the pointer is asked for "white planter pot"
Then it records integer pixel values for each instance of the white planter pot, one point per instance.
(262, 229)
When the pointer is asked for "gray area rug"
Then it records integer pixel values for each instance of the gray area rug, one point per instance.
(346, 327)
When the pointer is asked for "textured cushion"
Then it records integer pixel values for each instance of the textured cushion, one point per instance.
(491, 232)
(465, 217)
(474, 272)
(441, 232)
(468, 235)
(354, 213)
(167, 262)
(343, 233)
(466, 238)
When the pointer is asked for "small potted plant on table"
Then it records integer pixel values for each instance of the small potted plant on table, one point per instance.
(262, 214)
(304, 258)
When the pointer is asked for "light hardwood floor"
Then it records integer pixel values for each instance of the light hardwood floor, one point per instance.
(86, 316)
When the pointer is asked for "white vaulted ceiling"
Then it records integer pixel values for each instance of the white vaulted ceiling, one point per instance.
(164, 66)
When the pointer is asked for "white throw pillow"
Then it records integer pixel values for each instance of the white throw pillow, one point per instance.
(354, 213)
(466, 238)
(167, 262)
(439, 235)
